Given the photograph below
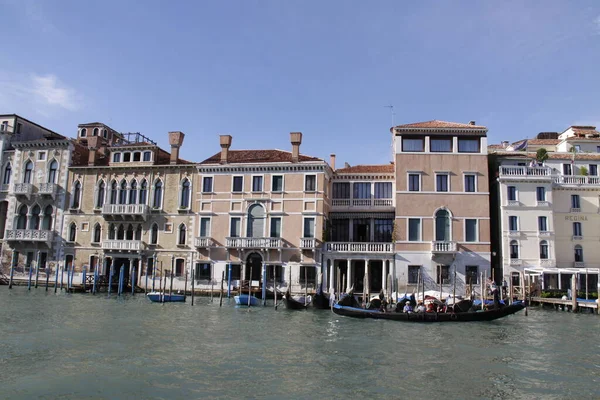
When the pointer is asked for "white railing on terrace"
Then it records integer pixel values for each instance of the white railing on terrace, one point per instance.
(47, 188)
(203, 241)
(253, 243)
(125, 209)
(33, 235)
(359, 247)
(23, 188)
(131, 245)
(362, 202)
(547, 263)
(514, 170)
(307, 243)
(443, 247)
(576, 180)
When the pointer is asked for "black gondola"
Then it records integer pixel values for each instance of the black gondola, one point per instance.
(293, 304)
(470, 316)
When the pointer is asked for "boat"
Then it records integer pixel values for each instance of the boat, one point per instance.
(296, 302)
(321, 300)
(158, 297)
(469, 316)
(242, 300)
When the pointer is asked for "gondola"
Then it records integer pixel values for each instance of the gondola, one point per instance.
(159, 297)
(469, 316)
(321, 300)
(298, 303)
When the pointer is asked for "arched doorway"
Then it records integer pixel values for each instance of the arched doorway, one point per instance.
(254, 263)
(256, 221)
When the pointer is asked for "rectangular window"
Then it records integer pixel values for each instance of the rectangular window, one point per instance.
(150, 266)
(203, 272)
(310, 183)
(468, 145)
(409, 144)
(41, 155)
(383, 230)
(275, 227)
(309, 228)
(593, 170)
(93, 262)
(237, 185)
(277, 183)
(278, 271)
(207, 184)
(414, 229)
(340, 230)
(117, 157)
(236, 227)
(443, 271)
(512, 193)
(414, 182)
(147, 156)
(575, 201)
(472, 274)
(413, 274)
(440, 145)
(513, 223)
(179, 267)
(236, 272)
(577, 229)
(19, 126)
(543, 224)
(567, 169)
(341, 190)
(470, 230)
(577, 148)
(469, 183)
(362, 190)
(540, 193)
(383, 190)
(441, 182)
(204, 227)
(257, 183)
(308, 275)
(597, 149)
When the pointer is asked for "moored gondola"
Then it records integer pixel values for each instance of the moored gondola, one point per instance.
(296, 303)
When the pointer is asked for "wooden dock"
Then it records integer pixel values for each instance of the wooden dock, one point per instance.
(567, 304)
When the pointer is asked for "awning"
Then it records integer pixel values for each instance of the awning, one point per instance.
(577, 271)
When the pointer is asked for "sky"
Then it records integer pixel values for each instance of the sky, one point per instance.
(258, 70)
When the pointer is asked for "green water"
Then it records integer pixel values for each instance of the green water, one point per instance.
(61, 346)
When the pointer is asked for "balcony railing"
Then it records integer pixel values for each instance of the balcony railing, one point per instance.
(308, 243)
(29, 235)
(359, 247)
(48, 189)
(576, 180)
(515, 262)
(547, 263)
(578, 264)
(543, 203)
(443, 247)
(127, 245)
(545, 233)
(575, 209)
(123, 210)
(203, 241)
(507, 171)
(577, 237)
(253, 243)
(23, 189)
(345, 203)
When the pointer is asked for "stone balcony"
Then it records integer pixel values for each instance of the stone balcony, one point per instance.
(253, 242)
(29, 235)
(126, 211)
(516, 262)
(519, 172)
(203, 242)
(578, 264)
(576, 180)
(359, 247)
(23, 189)
(48, 189)
(308, 243)
(371, 204)
(443, 247)
(122, 245)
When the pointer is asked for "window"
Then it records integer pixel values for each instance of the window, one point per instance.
(47, 219)
(442, 226)
(184, 198)
(275, 227)
(413, 274)
(93, 263)
(34, 219)
(138, 232)
(83, 132)
(593, 170)
(179, 266)
(95, 132)
(277, 270)
(512, 193)
(123, 192)
(72, 232)
(126, 157)
(577, 148)
(41, 155)
(4, 126)
(236, 227)
(97, 233)
(597, 149)
(514, 249)
(441, 182)
(577, 229)
(7, 174)
(238, 184)
(340, 230)
(544, 250)
(543, 224)
(472, 274)
(182, 235)
(133, 190)
(207, 184)
(409, 144)
(341, 190)
(147, 156)
(277, 183)
(383, 190)
(443, 271)
(28, 172)
(129, 233)
(469, 183)
(19, 127)
(204, 227)
(362, 190)
(383, 230)
(104, 133)
(113, 193)
(440, 145)
(468, 145)
(137, 156)
(144, 192)
(470, 230)
(117, 157)
(361, 230)
(513, 223)
(76, 195)
(414, 182)
(52, 172)
(540, 193)
(414, 229)
(157, 200)
(575, 203)
(112, 232)
(257, 183)
(567, 170)
(578, 253)
(203, 272)
(309, 228)
(308, 275)
(154, 234)
(310, 183)
(22, 219)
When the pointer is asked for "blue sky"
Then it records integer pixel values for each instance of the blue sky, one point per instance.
(260, 69)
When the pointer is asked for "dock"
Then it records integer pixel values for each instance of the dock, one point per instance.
(591, 305)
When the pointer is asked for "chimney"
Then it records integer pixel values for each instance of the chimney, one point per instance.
(92, 143)
(296, 139)
(505, 144)
(471, 122)
(225, 141)
(175, 140)
(346, 165)
(332, 161)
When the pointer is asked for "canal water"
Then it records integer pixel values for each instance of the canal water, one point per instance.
(63, 346)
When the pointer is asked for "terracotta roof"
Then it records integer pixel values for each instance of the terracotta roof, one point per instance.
(366, 169)
(495, 146)
(551, 155)
(433, 124)
(257, 156)
(578, 138)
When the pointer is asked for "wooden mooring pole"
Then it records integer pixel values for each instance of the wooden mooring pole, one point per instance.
(193, 287)
(56, 278)
(221, 292)
(47, 277)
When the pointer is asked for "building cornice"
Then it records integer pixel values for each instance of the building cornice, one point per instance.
(241, 168)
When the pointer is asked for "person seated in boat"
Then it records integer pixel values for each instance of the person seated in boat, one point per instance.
(420, 308)
(430, 307)
(407, 307)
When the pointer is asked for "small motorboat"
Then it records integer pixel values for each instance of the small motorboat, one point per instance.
(242, 300)
(159, 297)
(296, 302)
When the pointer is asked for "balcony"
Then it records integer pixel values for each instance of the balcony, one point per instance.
(547, 263)
(125, 211)
(443, 247)
(577, 237)
(253, 243)
(514, 234)
(23, 189)
(359, 247)
(520, 172)
(578, 264)
(516, 262)
(203, 242)
(48, 189)
(576, 180)
(29, 235)
(513, 203)
(575, 210)
(371, 203)
(308, 243)
(543, 203)
(545, 234)
(122, 245)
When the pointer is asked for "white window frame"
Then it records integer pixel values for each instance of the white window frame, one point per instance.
(262, 189)
(83, 132)
(516, 193)
(476, 230)
(304, 218)
(408, 174)
(547, 225)
(212, 184)
(157, 234)
(120, 157)
(447, 180)
(243, 182)
(282, 183)
(42, 153)
(231, 218)
(513, 230)
(408, 230)
(474, 175)
(130, 156)
(147, 152)
(209, 227)
(179, 197)
(280, 225)
(187, 234)
(316, 183)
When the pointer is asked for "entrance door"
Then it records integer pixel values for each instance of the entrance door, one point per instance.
(254, 264)
(375, 275)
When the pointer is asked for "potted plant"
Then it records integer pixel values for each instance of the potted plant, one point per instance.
(583, 171)
(541, 155)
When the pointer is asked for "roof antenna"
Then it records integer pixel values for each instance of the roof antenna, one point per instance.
(391, 107)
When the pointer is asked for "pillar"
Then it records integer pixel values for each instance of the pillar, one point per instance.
(330, 278)
(384, 269)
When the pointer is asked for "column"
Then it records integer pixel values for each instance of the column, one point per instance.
(330, 280)
(384, 269)
(366, 285)
(348, 275)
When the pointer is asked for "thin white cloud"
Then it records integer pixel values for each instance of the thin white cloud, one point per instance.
(597, 24)
(49, 90)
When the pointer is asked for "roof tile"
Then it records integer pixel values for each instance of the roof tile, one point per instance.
(366, 169)
(257, 156)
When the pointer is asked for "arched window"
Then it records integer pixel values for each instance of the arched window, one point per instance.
(121, 233)
(144, 192)
(543, 250)
(22, 219)
(47, 220)
(138, 233)
(28, 172)
(100, 194)
(112, 232)
(154, 234)
(97, 233)
(83, 132)
(129, 235)
(34, 221)
(117, 157)
(72, 232)
(442, 226)
(184, 197)
(123, 192)
(578, 253)
(256, 221)
(147, 156)
(126, 157)
(157, 200)
(76, 195)
(133, 191)
(7, 174)
(514, 249)
(52, 171)
(137, 156)
(182, 231)
(95, 132)
(104, 133)
(113, 192)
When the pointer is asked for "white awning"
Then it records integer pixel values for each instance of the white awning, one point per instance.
(577, 271)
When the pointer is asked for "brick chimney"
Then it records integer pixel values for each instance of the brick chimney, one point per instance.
(332, 161)
(296, 139)
(93, 143)
(225, 141)
(471, 122)
(175, 140)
